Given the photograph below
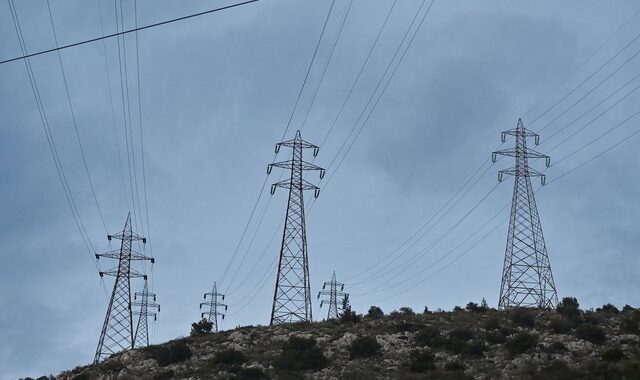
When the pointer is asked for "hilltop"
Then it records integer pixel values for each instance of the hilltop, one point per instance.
(475, 342)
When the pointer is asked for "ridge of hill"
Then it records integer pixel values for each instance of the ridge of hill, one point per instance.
(472, 343)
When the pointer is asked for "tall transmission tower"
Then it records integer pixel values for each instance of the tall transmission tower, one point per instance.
(117, 331)
(215, 307)
(333, 293)
(527, 280)
(292, 295)
(146, 305)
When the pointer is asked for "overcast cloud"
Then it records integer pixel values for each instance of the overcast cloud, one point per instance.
(216, 94)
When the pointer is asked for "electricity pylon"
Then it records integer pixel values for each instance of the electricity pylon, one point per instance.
(292, 295)
(117, 331)
(214, 305)
(145, 301)
(333, 294)
(527, 280)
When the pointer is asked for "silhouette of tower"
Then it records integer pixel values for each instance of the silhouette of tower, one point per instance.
(292, 296)
(145, 301)
(214, 307)
(117, 331)
(527, 280)
(333, 294)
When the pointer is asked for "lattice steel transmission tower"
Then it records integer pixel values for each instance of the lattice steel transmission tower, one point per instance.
(292, 296)
(527, 280)
(214, 307)
(146, 305)
(333, 293)
(117, 331)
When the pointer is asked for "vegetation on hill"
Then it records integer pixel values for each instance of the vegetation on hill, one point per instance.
(472, 342)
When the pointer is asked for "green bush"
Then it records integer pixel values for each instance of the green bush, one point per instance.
(301, 354)
(229, 356)
(569, 308)
(560, 326)
(630, 321)
(462, 333)
(421, 361)
(168, 374)
(557, 347)
(523, 317)
(627, 308)
(608, 308)
(592, 333)
(454, 366)
(612, 355)
(474, 348)
(492, 323)
(474, 307)
(495, 337)
(427, 336)
(375, 312)
(364, 347)
(111, 366)
(406, 310)
(201, 327)
(169, 354)
(521, 342)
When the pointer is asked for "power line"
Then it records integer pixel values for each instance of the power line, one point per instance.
(594, 119)
(324, 70)
(399, 266)
(50, 140)
(591, 91)
(73, 117)
(304, 82)
(594, 107)
(383, 89)
(362, 67)
(25, 55)
(113, 113)
(600, 136)
(585, 80)
(583, 63)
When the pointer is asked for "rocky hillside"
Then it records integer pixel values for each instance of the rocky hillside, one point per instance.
(475, 342)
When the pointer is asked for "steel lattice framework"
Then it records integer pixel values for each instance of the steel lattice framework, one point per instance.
(333, 293)
(527, 280)
(214, 307)
(117, 331)
(292, 296)
(146, 305)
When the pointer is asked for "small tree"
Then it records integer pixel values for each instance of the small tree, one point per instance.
(201, 327)
(569, 308)
(375, 312)
(347, 314)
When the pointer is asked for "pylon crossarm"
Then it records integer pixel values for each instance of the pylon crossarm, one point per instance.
(513, 152)
(288, 164)
(140, 257)
(514, 132)
(109, 255)
(293, 142)
(530, 172)
(304, 185)
(128, 236)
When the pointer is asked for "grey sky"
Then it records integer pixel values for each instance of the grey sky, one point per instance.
(217, 92)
